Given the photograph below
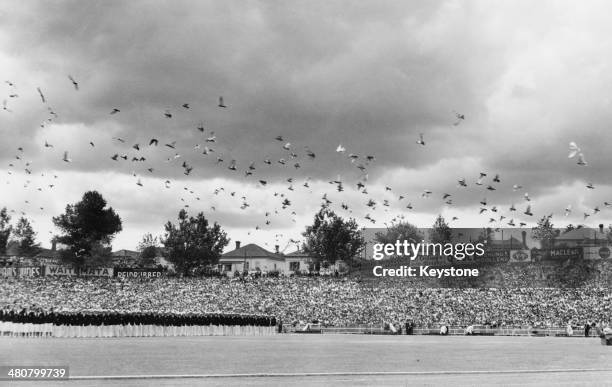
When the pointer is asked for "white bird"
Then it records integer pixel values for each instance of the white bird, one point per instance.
(573, 150)
(516, 187)
(568, 210)
(212, 137)
(420, 141)
(340, 149)
(287, 146)
(527, 197)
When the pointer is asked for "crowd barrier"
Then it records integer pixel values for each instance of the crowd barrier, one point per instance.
(435, 331)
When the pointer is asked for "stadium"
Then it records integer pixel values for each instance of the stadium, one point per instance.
(331, 192)
(311, 329)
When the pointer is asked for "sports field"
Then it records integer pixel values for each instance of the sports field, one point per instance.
(318, 360)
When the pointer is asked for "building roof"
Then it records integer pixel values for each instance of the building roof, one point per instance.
(511, 243)
(48, 253)
(251, 251)
(582, 233)
(298, 254)
(125, 253)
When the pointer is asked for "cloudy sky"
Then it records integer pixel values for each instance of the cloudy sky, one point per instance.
(529, 77)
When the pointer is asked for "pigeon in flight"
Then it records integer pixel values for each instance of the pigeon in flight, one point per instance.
(573, 150)
(42, 96)
(420, 141)
(66, 159)
(221, 103)
(460, 117)
(115, 111)
(74, 83)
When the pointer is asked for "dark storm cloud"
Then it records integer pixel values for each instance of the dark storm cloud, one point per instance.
(370, 76)
(364, 76)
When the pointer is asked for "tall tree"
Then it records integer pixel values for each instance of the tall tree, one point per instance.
(88, 229)
(545, 232)
(26, 237)
(148, 250)
(193, 243)
(5, 229)
(485, 235)
(402, 231)
(331, 238)
(440, 231)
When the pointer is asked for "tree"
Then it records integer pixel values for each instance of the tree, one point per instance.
(5, 229)
(192, 243)
(545, 232)
(148, 250)
(331, 238)
(402, 231)
(485, 235)
(26, 237)
(88, 229)
(440, 231)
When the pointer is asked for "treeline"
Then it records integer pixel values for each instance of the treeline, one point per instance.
(21, 235)
(190, 243)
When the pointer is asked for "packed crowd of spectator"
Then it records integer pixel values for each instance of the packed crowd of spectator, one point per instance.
(299, 300)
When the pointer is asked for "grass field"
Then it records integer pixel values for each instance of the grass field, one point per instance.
(318, 360)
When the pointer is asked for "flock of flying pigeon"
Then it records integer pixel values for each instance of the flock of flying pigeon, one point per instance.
(131, 151)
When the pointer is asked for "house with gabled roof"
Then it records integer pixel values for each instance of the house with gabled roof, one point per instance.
(251, 258)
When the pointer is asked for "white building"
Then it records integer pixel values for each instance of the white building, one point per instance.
(251, 258)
